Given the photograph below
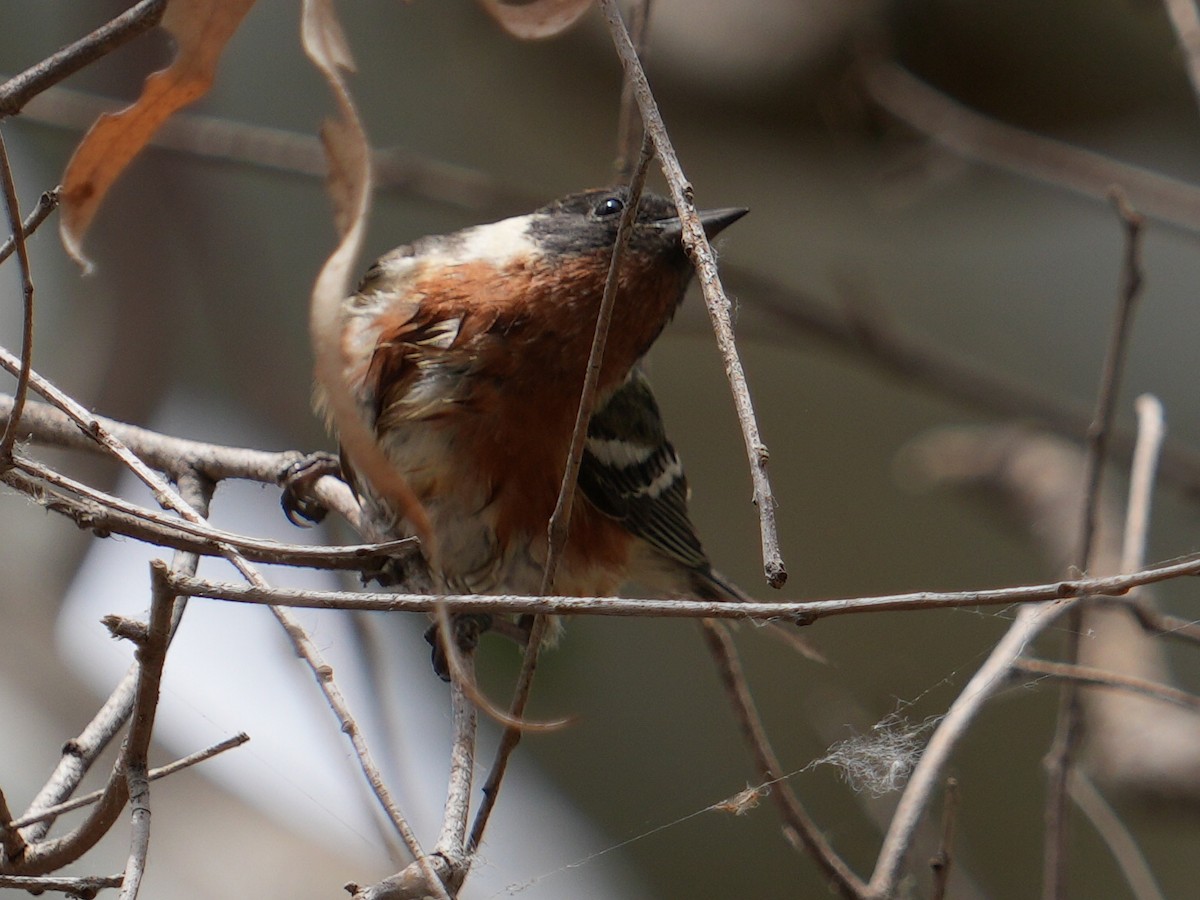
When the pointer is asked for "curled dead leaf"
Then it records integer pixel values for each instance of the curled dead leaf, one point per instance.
(350, 180)
(201, 29)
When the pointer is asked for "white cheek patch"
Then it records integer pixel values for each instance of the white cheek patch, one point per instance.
(498, 243)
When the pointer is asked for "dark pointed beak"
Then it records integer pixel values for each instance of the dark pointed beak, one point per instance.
(714, 220)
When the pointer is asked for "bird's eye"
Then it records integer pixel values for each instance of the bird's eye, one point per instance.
(609, 206)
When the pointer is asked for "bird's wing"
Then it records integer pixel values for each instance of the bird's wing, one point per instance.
(631, 472)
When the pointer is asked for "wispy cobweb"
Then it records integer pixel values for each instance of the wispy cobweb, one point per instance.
(881, 760)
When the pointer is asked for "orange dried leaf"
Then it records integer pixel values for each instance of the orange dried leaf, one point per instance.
(535, 19)
(201, 29)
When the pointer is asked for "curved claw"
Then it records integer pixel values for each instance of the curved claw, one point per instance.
(301, 509)
(467, 629)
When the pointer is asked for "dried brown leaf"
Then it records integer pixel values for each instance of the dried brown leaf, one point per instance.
(201, 29)
(535, 19)
(350, 180)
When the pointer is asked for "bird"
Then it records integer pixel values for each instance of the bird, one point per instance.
(465, 354)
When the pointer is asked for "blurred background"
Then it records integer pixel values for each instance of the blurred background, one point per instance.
(195, 321)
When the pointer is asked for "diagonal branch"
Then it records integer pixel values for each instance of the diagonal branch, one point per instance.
(20, 89)
(1069, 733)
(797, 823)
(560, 519)
(701, 254)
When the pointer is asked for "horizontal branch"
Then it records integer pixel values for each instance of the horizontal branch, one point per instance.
(803, 612)
(1094, 677)
(83, 886)
(105, 514)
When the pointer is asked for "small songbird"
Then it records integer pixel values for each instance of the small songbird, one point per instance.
(467, 354)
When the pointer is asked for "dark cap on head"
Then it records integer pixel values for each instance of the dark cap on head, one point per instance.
(587, 222)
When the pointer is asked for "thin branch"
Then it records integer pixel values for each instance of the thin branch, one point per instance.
(806, 610)
(20, 89)
(1110, 378)
(993, 675)
(1167, 625)
(173, 455)
(161, 772)
(1186, 22)
(307, 651)
(13, 209)
(105, 513)
(47, 203)
(629, 127)
(511, 736)
(152, 657)
(397, 170)
(1069, 733)
(10, 838)
(82, 886)
(451, 842)
(82, 752)
(700, 252)
(1059, 165)
(1093, 677)
(1116, 836)
(793, 813)
(560, 519)
(139, 836)
(942, 861)
(1151, 432)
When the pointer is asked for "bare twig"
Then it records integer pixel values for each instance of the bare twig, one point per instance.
(10, 838)
(161, 772)
(1141, 481)
(82, 752)
(629, 127)
(462, 674)
(700, 252)
(19, 89)
(807, 610)
(104, 513)
(139, 836)
(323, 672)
(974, 136)
(1116, 836)
(993, 675)
(82, 886)
(13, 209)
(397, 170)
(1093, 677)
(451, 842)
(1186, 22)
(560, 520)
(767, 766)
(1167, 625)
(152, 657)
(173, 455)
(1069, 733)
(47, 203)
(942, 861)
